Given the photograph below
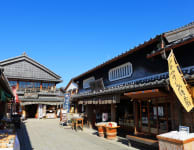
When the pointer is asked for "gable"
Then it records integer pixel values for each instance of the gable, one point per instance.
(72, 86)
(26, 70)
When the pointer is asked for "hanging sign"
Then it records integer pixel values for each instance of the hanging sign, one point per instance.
(178, 83)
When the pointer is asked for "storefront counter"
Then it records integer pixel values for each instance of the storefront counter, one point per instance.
(176, 141)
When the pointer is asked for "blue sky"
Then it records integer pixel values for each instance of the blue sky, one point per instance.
(71, 37)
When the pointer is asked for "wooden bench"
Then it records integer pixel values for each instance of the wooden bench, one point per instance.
(145, 141)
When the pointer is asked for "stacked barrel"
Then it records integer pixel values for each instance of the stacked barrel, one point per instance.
(108, 129)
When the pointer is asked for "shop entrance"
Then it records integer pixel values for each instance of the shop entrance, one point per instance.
(153, 117)
(51, 111)
(31, 110)
(152, 111)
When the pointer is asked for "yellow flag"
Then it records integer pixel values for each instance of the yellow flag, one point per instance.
(178, 83)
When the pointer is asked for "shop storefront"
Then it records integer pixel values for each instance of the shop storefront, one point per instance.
(152, 113)
(40, 109)
(99, 109)
(125, 114)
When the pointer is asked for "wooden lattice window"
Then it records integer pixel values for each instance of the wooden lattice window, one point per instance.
(120, 72)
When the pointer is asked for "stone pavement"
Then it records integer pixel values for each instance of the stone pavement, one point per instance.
(47, 135)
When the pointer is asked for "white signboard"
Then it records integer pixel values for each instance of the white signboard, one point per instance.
(184, 128)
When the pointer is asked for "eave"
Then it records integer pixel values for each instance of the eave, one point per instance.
(154, 81)
(174, 45)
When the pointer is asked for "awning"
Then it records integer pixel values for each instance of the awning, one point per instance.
(3, 96)
(146, 94)
(111, 99)
(46, 103)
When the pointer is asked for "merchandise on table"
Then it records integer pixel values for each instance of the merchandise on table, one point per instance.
(8, 140)
(175, 140)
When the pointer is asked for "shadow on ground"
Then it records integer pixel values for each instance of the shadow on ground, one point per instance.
(24, 139)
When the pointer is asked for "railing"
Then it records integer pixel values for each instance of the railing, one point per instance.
(36, 90)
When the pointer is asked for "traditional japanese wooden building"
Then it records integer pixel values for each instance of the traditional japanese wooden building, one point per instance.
(6, 95)
(133, 88)
(35, 85)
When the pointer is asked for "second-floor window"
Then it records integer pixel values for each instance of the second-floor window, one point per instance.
(13, 83)
(48, 86)
(86, 82)
(120, 72)
(29, 85)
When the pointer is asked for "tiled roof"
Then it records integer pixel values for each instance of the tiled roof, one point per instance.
(157, 80)
(35, 63)
(181, 28)
(136, 48)
(177, 43)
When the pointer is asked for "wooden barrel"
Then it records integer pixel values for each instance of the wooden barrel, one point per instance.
(101, 131)
(111, 133)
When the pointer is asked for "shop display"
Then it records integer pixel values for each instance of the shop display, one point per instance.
(51, 112)
(9, 141)
(50, 115)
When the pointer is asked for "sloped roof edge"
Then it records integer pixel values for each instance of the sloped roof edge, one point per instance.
(68, 85)
(182, 28)
(185, 27)
(146, 43)
(25, 57)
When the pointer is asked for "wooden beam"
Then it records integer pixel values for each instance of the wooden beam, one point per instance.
(146, 94)
(169, 48)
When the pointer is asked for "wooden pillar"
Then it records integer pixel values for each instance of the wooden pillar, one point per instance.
(171, 112)
(140, 116)
(113, 112)
(166, 105)
(135, 115)
(148, 110)
(157, 119)
(89, 113)
(76, 108)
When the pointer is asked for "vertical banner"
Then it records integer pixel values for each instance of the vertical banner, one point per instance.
(66, 104)
(178, 83)
(40, 112)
